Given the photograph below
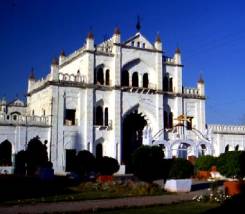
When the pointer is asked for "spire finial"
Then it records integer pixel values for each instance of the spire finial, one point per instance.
(158, 38)
(32, 75)
(138, 25)
(201, 80)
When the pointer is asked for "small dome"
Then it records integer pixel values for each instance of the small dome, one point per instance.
(55, 61)
(117, 31)
(90, 35)
(177, 50)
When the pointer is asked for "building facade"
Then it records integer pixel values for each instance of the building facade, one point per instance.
(111, 98)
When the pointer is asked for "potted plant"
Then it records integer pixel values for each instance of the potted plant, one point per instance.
(204, 165)
(232, 165)
(179, 178)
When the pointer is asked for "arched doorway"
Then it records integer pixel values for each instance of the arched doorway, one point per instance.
(6, 153)
(133, 125)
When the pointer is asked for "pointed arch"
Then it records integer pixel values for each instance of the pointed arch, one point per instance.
(5, 153)
(99, 116)
(170, 84)
(135, 79)
(145, 80)
(227, 147)
(107, 77)
(165, 83)
(125, 78)
(106, 116)
(100, 76)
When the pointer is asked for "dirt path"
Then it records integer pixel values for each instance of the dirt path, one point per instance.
(93, 205)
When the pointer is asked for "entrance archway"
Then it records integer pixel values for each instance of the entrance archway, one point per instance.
(133, 125)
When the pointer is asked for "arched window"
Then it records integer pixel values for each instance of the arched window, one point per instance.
(145, 80)
(183, 150)
(106, 116)
(99, 116)
(170, 120)
(165, 119)
(237, 148)
(5, 153)
(165, 83)
(170, 84)
(202, 150)
(107, 77)
(227, 148)
(125, 78)
(135, 80)
(99, 150)
(100, 76)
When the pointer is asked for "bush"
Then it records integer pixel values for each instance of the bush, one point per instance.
(205, 162)
(147, 163)
(180, 169)
(85, 163)
(232, 164)
(36, 155)
(107, 165)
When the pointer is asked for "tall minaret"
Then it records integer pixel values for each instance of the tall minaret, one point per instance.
(90, 41)
(201, 86)
(31, 80)
(177, 56)
(158, 43)
(62, 56)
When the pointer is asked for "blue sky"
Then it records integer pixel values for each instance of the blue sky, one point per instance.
(210, 34)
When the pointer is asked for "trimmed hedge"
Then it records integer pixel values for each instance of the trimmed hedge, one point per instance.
(205, 162)
(181, 169)
(232, 164)
(148, 163)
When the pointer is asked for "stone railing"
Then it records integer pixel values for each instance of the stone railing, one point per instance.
(235, 129)
(191, 91)
(6, 119)
(168, 60)
(72, 77)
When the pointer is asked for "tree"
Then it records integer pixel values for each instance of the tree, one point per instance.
(85, 163)
(148, 163)
(107, 165)
(36, 155)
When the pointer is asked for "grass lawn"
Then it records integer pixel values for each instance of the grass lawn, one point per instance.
(28, 190)
(180, 208)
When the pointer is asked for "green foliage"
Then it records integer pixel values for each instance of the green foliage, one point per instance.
(20, 162)
(180, 169)
(107, 165)
(148, 164)
(205, 162)
(232, 164)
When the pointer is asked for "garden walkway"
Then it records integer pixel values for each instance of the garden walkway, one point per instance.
(93, 205)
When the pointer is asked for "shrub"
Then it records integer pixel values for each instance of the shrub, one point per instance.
(147, 163)
(232, 164)
(205, 162)
(180, 169)
(85, 163)
(36, 155)
(107, 165)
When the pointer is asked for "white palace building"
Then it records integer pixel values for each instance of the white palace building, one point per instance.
(111, 98)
